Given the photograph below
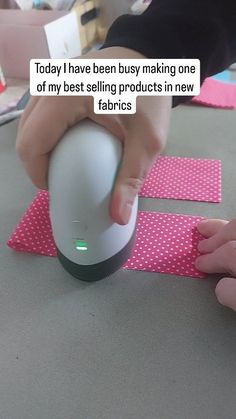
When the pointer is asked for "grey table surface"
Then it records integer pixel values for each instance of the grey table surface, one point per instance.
(134, 346)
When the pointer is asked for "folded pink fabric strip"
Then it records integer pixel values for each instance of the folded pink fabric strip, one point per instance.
(165, 243)
(184, 178)
(217, 94)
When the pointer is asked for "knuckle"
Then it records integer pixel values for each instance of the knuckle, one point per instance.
(232, 226)
(134, 183)
(155, 143)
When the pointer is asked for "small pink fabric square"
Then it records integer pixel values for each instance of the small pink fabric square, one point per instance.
(217, 94)
(184, 178)
(166, 243)
(33, 234)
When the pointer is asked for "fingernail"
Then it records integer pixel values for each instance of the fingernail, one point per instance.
(201, 225)
(197, 263)
(200, 263)
(125, 212)
(205, 221)
(201, 245)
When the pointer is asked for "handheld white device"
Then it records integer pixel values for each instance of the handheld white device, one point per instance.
(82, 171)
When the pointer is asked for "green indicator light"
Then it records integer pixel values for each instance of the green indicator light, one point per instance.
(81, 245)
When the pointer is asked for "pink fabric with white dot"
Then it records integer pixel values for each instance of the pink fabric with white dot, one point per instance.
(217, 94)
(165, 242)
(33, 234)
(184, 178)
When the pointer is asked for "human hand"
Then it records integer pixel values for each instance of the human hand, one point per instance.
(143, 135)
(219, 256)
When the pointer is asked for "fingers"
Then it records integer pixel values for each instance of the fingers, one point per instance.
(210, 227)
(49, 118)
(223, 235)
(136, 162)
(226, 292)
(129, 180)
(223, 259)
(145, 136)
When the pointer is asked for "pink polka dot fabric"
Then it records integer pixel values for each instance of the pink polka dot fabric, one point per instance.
(217, 94)
(166, 243)
(184, 178)
(33, 234)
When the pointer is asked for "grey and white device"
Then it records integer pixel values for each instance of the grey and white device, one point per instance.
(82, 172)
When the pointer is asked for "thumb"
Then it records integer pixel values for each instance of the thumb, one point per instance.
(137, 160)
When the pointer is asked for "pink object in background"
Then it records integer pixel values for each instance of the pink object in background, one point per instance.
(165, 242)
(3, 85)
(217, 94)
(184, 178)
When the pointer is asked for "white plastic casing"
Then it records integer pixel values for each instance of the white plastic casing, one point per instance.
(82, 171)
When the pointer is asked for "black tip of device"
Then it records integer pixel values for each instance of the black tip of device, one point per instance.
(98, 271)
